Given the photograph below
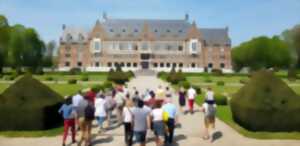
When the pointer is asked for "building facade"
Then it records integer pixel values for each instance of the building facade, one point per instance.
(137, 44)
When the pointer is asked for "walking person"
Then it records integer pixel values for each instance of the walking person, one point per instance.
(127, 121)
(89, 115)
(100, 112)
(171, 111)
(120, 100)
(68, 112)
(158, 123)
(76, 99)
(209, 109)
(109, 106)
(209, 94)
(141, 122)
(168, 92)
(191, 98)
(182, 99)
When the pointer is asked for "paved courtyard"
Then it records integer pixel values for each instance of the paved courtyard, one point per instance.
(189, 134)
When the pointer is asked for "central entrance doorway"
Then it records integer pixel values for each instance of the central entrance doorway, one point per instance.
(145, 64)
(145, 57)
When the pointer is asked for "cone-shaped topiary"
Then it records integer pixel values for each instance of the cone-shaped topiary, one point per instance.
(266, 103)
(29, 105)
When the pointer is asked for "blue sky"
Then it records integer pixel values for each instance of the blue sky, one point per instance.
(245, 18)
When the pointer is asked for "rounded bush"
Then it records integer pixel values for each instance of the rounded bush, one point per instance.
(184, 84)
(75, 71)
(97, 88)
(220, 99)
(217, 72)
(72, 81)
(49, 78)
(220, 83)
(198, 89)
(208, 80)
(266, 103)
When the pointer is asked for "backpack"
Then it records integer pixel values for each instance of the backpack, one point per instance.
(89, 112)
(211, 111)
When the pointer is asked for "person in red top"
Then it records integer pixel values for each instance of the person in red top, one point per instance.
(91, 96)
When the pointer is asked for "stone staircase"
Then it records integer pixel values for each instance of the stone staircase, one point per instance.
(145, 72)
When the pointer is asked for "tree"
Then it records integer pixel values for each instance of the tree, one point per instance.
(292, 38)
(48, 60)
(262, 52)
(4, 38)
(25, 48)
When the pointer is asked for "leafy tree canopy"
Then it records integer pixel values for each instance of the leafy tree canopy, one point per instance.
(262, 52)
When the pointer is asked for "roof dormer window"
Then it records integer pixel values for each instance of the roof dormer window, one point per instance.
(168, 30)
(124, 30)
(69, 37)
(136, 30)
(155, 30)
(180, 31)
(111, 30)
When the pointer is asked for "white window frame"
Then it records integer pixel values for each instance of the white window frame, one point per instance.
(93, 45)
(198, 46)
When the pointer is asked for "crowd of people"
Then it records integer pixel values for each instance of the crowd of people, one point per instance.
(137, 112)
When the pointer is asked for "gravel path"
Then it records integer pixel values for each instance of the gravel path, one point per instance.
(188, 135)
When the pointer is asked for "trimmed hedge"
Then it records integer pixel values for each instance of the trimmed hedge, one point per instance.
(266, 103)
(220, 83)
(49, 78)
(220, 99)
(184, 84)
(85, 78)
(29, 105)
(72, 81)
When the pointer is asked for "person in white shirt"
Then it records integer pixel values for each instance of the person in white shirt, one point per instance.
(191, 98)
(127, 121)
(209, 109)
(158, 123)
(100, 111)
(209, 95)
(76, 99)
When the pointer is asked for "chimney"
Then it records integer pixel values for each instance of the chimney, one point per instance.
(104, 16)
(63, 26)
(186, 18)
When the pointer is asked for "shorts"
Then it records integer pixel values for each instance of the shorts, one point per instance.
(209, 122)
(158, 128)
(140, 137)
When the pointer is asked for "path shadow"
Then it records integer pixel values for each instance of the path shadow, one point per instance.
(106, 139)
(216, 135)
(177, 138)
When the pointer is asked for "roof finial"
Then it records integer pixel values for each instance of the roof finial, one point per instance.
(104, 16)
(186, 18)
(63, 26)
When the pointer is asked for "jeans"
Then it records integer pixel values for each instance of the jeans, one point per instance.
(128, 133)
(170, 133)
(100, 121)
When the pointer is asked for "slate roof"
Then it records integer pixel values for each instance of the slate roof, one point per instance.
(215, 36)
(119, 29)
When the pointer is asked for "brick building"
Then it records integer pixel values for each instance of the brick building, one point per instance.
(137, 44)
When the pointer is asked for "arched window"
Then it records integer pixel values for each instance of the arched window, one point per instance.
(162, 64)
(155, 64)
(128, 64)
(193, 65)
(168, 64)
(109, 64)
(180, 64)
(210, 65)
(174, 65)
(222, 65)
